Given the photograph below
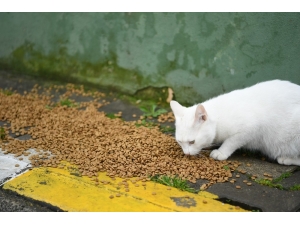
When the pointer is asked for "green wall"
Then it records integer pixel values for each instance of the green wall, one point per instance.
(198, 55)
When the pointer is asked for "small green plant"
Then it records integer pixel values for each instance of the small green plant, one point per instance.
(226, 167)
(67, 102)
(269, 183)
(7, 92)
(276, 182)
(2, 133)
(48, 107)
(295, 187)
(282, 176)
(167, 129)
(173, 182)
(152, 111)
(255, 210)
(111, 115)
(145, 124)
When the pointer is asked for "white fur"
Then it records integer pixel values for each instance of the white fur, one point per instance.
(264, 117)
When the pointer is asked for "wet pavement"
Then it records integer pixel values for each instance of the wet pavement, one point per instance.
(24, 189)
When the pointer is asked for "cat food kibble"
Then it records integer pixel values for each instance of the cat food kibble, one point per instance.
(268, 175)
(80, 133)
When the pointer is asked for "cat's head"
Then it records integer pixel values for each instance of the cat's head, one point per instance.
(194, 129)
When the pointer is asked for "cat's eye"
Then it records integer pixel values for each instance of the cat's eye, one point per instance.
(191, 142)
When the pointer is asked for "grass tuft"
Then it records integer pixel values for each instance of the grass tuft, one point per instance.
(7, 92)
(145, 124)
(167, 129)
(282, 176)
(295, 187)
(111, 115)
(276, 182)
(152, 111)
(269, 183)
(173, 182)
(226, 167)
(67, 102)
(2, 133)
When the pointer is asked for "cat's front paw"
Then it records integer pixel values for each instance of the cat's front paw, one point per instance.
(216, 154)
(284, 161)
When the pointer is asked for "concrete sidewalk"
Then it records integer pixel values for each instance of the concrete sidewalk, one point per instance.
(63, 189)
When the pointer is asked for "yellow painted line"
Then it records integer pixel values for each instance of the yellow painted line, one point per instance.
(79, 194)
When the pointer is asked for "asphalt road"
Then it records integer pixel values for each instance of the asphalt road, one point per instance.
(256, 197)
(11, 202)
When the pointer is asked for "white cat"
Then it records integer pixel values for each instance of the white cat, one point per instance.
(264, 117)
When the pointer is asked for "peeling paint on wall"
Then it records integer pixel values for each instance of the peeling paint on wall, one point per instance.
(198, 55)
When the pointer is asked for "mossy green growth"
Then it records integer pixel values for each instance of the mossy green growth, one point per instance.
(49, 107)
(276, 182)
(152, 111)
(167, 129)
(68, 102)
(111, 116)
(226, 167)
(173, 182)
(295, 187)
(146, 123)
(144, 103)
(157, 95)
(104, 73)
(269, 183)
(2, 133)
(282, 176)
(7, 92)
(63, 102)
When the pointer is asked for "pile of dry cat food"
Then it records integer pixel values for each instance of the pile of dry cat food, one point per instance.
(84, 136)
(166, 117)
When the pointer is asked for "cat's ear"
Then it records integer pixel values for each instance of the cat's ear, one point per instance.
(177, 109)
(200, 114)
